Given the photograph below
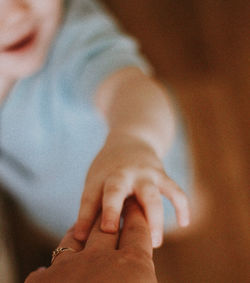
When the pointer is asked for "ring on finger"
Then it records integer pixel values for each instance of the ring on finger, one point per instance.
(60, 250)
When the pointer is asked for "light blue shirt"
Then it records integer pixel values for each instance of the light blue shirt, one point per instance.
(50, 131)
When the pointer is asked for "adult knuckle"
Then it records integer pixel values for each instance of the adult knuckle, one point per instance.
(137, 254)
(144, 255)
(92, 252)
(130, 254)
(138, 229)
(131, 228)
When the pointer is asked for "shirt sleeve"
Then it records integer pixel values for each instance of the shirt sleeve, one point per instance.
(89, 47)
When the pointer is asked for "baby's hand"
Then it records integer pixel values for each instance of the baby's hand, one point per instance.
(122, 169)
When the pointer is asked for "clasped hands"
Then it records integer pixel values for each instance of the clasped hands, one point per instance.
(128, 166)
(125, 256)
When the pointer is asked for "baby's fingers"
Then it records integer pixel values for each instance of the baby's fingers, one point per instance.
(179, 200)
(114, 194)
(90, 204)
(150, 199)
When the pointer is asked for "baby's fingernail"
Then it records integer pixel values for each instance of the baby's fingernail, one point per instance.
(185, 222)
(80, 235)
(156, 239)
(109, 226)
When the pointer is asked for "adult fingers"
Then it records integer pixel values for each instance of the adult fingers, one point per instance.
(114, 193)
(37, 276)
(90, 204)
(99, 240)
(135, 235)
(178, 198)
(150, 199)
(69, 241)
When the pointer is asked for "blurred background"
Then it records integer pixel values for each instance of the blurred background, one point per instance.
(202, 49)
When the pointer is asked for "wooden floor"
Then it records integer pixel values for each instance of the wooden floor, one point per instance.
(202, 48)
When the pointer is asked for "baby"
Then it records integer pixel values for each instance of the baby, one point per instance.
(59, 62)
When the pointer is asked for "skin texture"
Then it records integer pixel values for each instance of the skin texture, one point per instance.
(136, 109)
(100, 260)
(141, 123)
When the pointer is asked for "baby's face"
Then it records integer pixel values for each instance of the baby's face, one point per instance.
(27, 28)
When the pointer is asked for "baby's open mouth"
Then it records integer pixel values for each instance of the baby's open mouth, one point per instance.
(21, 44)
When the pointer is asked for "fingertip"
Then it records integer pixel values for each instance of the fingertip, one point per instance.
(109, 226)
(80, 235)
(110, 220)
(184, 219)
(184, 222)
(156, 245)
(81, 229)
(156, 239)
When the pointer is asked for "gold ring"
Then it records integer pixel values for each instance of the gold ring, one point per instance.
(60, 250)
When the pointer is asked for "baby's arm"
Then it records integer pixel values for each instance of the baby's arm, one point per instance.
(141, 128)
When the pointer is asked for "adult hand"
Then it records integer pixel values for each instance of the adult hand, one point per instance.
(106, 257)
